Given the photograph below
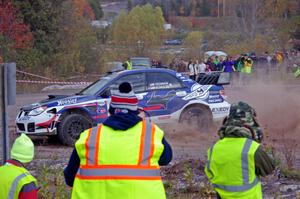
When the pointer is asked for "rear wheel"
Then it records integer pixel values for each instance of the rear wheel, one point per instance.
(70, 128)
(198, 117)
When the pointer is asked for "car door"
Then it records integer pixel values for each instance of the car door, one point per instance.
(164, 93)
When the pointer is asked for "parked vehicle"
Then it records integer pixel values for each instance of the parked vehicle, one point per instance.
(173, 42)
(165, 95)
(140, 62)
(115, 66)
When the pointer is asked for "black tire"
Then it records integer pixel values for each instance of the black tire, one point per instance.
(198, 117)
(70, 128)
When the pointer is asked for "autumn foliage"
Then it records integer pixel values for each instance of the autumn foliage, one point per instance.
(83, 8)
(11, 28)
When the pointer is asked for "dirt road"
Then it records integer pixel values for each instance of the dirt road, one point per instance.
(277, 107)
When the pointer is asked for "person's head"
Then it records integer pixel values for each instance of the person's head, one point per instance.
(123, 100)
(22, 149)
(241, 122)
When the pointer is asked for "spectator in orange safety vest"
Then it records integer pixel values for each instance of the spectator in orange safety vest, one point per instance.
(121, 157)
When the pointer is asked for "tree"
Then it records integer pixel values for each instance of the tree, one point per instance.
(13, 29)
(250, 15)
(79, 50)
(293, 30)
(140, 29)
(166, 8)
(193, 43)
(129, 5)
(43, 17)
(205, 8)
(83, 8)
(96, 6)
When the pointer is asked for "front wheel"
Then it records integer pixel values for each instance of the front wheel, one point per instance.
(70, 128)
(198, 117)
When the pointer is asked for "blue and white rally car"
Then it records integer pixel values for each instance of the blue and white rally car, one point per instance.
(165, 95)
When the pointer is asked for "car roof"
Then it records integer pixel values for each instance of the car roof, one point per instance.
(146, 70)
(139, 58)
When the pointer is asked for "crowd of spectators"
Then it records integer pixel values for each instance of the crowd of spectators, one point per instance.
(243, 64)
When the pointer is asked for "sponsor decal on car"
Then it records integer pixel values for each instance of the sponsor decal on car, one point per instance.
(162, 100)
(220, 109)
(214, 98)
(24, 118)
(67, 101)
(159, 85)
(198, 92)
(181, 93)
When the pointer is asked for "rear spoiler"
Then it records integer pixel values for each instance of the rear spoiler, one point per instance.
(214, 78)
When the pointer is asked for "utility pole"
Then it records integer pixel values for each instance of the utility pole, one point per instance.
(224, 8)
(8, 97)
(4, 123)
(218, 8)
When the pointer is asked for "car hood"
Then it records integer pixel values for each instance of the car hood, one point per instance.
(58, 100)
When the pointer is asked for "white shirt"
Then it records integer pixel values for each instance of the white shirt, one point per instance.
(201, 68)
(269, 58)
(193, 69)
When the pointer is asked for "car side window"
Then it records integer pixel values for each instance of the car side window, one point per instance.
(162, 80)
(137, 81)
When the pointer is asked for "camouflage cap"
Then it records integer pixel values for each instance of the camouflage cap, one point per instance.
(241, 123)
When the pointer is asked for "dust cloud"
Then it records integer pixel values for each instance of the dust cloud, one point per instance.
(276, 102)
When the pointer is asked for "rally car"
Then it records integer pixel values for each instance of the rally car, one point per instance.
(165, 95)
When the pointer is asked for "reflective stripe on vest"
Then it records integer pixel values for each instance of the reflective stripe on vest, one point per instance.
(142, 170)
(245, 171)
(147, 140)
(92, 145)
(118, 173)
(209, 159)
(14, 185)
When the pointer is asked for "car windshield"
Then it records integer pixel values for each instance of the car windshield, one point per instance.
(141, 62)
(96, 86)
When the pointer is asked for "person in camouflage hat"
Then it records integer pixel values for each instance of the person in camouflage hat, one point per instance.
(241, 122)
(237, 160)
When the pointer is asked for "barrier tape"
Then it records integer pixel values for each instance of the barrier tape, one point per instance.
(26, 73)
(53, 82)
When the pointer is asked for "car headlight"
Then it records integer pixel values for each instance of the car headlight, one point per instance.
(37, 111)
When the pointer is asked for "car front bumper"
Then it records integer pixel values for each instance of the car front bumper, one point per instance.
(42, 124)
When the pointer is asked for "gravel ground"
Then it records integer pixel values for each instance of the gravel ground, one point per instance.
(277, 107)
